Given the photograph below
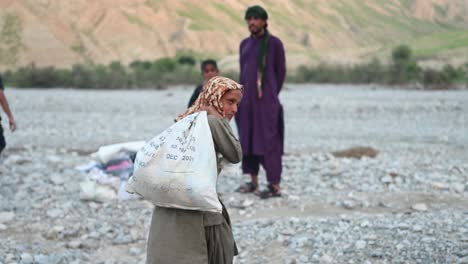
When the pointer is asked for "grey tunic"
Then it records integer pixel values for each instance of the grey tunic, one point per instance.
(186, 236)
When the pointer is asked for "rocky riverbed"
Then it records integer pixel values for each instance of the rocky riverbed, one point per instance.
(409, 204)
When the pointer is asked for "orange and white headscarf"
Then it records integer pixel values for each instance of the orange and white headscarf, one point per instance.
(211, 95)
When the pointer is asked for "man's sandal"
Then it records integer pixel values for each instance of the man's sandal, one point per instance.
(248, 187)
(271, 192)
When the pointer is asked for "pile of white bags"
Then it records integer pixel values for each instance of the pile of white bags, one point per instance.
(177, 168)
(106, 176)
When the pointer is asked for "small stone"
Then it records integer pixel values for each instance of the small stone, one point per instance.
(122, 239)
(248, 203)
(384, 204)
(333, 173)
(376, 254)
(400, 246)
(365, 223)
(463, 261)
(74, 244)
(439, 186)
(71, 232)
(299, 242)
(54, 159)
(287, 232)
(6, 217)
(402, 226)
(57, 179)
(349, 204)
(386, 179)
(372, 237)
(417, 228)
(54, 213)
(54, 232)
(360, 244)
(135, 251)
(304, 259)
(41, 259)
(462, 254)
(459, 188)
(326, 259)
(9, 257)
(3, 227)
(427, 239)
(419, 207)
(26, 258)
(90, 244)
(292, 197)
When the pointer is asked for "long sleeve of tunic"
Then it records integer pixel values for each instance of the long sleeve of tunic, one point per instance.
(224, 139)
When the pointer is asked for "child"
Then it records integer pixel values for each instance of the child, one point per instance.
(193, 237)
(209, 69)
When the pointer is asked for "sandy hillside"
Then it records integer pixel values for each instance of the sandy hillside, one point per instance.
(61, 33)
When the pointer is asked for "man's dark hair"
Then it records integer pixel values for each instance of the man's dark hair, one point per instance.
(208, 62)
(256, 11)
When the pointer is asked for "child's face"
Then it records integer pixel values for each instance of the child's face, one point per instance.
(209, 72)
(231, 101)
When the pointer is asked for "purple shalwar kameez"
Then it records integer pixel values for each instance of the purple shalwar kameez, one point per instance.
(260, 121)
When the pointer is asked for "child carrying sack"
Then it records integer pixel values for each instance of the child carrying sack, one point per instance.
(177, 168)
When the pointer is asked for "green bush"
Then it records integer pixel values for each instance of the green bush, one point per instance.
(434, 79)
(186, 59)
(182, 69)
(401, 54)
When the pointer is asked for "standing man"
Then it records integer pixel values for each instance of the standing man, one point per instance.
(260, 115)
(6, 109)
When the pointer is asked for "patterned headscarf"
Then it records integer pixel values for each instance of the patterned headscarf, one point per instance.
(211, 94)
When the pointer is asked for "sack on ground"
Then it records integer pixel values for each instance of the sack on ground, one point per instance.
(177, 168)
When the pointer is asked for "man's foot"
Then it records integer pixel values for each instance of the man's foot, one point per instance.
(270, 192)
(248, 187)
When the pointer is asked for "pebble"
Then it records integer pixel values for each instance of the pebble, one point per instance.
(439, 186)
(349, 204)
(419, 207)
(326, 259)
(135, 251)
(360, 244)
(54, 213)
(26, 258)
(462, 253)
(57, 179)
(459, 188)
(41, 259)
(74, 244)
(387, 179)
(6, 217)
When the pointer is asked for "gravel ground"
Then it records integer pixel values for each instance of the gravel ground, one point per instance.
(407, 205)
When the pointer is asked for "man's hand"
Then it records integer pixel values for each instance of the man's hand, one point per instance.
(211, 111)
(12, 125)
